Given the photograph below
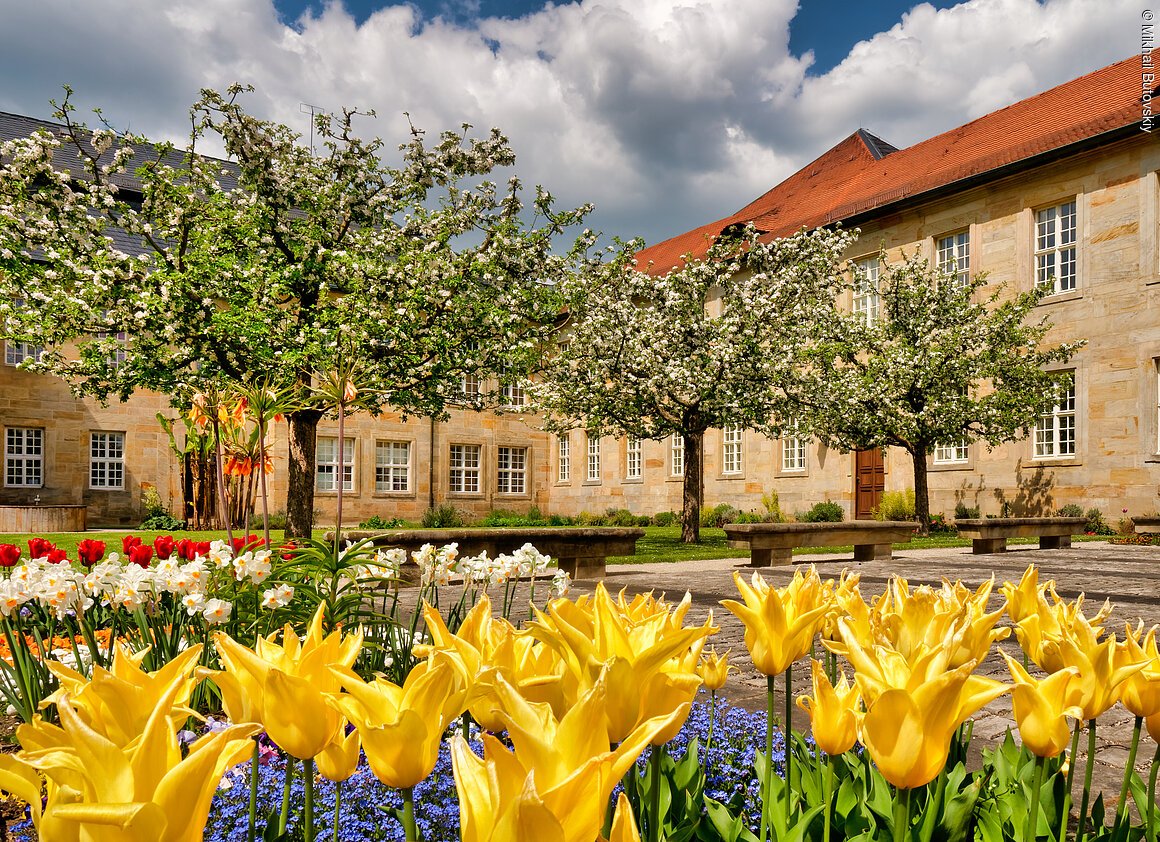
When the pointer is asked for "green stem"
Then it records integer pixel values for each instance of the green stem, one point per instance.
(1087, 780)
(829, 797)
(252, 827)
(787, 736)
(411, 833)
(1150, 827)
(901, 815)
(654, 830)
(1030, 832)
(768, 788)
(465, 724)
(308, 806)
(1122, 804)
(1066, 811)
(337, 807)
(285, 814)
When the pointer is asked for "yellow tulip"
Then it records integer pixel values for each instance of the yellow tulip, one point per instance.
(1153, 725)
(556, 783)
(1041, 707)
(339, 760)
(648, 667)
(286, 687)
(401, 727)
(833, 711)
(145, 791)
(1100, 676)
(908, 731)
(1140, 692)
(624, 827)
(714, 670)
(780, 623)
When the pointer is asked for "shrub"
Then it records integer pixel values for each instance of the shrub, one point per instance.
(939, 525)
(825, 512)
(752, 517)
(377, 522)
(1070, 510)
(151, 503)
(718, 516)
(163, 523)
(444, 516)
(664, 518)
(619, 517)
(772, 508)
(277, 519)
(895, 505)
(1095, 523)
(560, 520)
(963, 511)
(590, 519)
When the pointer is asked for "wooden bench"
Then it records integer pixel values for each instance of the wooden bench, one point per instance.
(990, 534)
(773, 543)
(581, 551)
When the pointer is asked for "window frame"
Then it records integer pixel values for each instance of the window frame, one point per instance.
(592, 460)
(1054, 279)
(793, 443)
(512, 472)
(633, 458)
(333, 464)
(386, 472)
(732, 450)
(465, 469)
(676, 456)
(108, 462)
(564, 459)
(1061, 434)
(26, 459)
(955, 259)
(952, 453)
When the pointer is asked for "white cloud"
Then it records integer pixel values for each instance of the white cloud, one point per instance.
(665, 114)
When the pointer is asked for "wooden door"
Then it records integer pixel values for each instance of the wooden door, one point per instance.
(869, 482)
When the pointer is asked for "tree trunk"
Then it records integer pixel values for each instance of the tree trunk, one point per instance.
(300, 474)
(921, 491)
(694, 488)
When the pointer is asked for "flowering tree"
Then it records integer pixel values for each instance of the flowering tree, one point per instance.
(937, 367)
(711, 343)
(170, 270)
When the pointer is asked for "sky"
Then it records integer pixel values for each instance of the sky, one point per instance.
(665, 114)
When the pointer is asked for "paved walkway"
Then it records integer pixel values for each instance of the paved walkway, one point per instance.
(1127, 575)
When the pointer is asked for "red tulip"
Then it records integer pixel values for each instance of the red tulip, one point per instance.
(163, 544)
(240, 544)
(129, 542)
(39, 547)
(9, 553)
(202, 548)
(57, 556)
(288, 550)
(89, 552)
(140, 554)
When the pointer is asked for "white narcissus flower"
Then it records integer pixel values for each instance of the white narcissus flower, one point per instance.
(277, 597)
(217, 611)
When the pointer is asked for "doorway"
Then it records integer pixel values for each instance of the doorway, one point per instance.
(869, 482)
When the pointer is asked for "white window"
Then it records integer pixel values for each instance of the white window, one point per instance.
(632, 460)
(593, 458)
(120, 354)
(16, 352)
(955, 453)
(1055, 247)
(866, 301)
(512, 470)
(954, 257)
(464, 465)
(469, 386)
(514, 391)
(24, 457)
(392, 466)
(326, 464)
(677, 455)
(1055, 432)
(564, 459)
(107, 460)
(731, 449)
(793, 451)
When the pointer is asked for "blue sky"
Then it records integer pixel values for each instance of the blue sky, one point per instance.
(665, 114)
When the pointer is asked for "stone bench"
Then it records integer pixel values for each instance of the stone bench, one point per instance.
(773, 543)
(581, 550)
(1146, 525)
(990, 534)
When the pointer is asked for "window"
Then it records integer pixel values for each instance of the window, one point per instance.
(677, 455)
(326, 464)
(632, 460)
(866, 301)
(514, 392)
(1055, 432)
(512, 470)
(564, 459)
(955, 453)
(731, 449)
(954, 257)
(119, 354)
(107, 460)
(24, 457)
(793, 450)
(16, 351)
(464, 464)
(1055, 247)
(392, 466)
(469, 383)
(593, 458)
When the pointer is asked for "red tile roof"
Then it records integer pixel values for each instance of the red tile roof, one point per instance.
(862, 173)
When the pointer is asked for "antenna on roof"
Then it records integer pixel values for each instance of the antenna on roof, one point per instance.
(307, 108)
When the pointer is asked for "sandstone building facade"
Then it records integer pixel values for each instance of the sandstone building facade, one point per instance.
(1061, 188)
